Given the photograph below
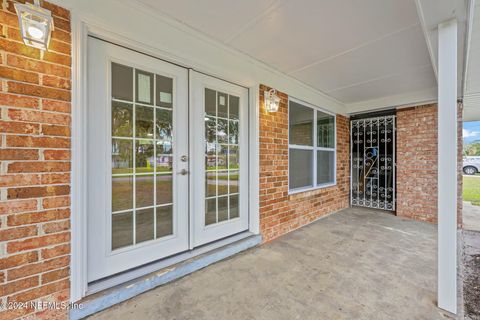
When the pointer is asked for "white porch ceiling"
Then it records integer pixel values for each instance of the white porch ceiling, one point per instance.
(360, 52)
(472, 81)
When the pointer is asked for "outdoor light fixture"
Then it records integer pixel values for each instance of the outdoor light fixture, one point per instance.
(36, 24)
(272, 101)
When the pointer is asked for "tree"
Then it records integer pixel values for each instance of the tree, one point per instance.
(472, 148)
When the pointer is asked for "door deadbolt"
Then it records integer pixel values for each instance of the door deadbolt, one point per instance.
(184, 158)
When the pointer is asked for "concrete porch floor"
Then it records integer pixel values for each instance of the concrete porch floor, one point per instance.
(355, 264)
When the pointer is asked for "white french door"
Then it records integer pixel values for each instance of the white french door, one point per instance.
(163, 176)
(220, 158)
(137, 134)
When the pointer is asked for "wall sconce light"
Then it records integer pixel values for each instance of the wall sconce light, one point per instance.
(36, 24)
(272, 101)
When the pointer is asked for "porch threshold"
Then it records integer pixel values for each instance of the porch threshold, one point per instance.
(112, 296)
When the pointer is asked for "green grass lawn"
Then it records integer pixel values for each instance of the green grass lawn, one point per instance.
(471, 190)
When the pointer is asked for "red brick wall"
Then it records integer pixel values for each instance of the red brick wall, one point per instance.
(35, 166)
(417, 166)
(280, 212)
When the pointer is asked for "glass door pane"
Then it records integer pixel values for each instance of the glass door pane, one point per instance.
(142, 149)
(220, 158)
(222, 154)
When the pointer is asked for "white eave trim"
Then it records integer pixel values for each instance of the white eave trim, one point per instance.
(403, 100)
(426, 35)
(468, 37)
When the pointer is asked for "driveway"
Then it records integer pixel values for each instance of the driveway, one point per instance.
(355, 264)
(471, 216)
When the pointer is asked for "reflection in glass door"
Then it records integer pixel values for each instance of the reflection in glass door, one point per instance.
(137, 129)
(221, 156)
(220, 167)
(142, 146)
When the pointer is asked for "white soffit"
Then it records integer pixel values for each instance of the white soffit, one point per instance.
(352, 50)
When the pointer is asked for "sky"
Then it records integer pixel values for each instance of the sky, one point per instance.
(471, 131)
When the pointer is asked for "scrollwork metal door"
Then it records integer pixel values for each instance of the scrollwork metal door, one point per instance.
(373, 162)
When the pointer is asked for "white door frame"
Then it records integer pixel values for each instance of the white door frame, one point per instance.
(80, 31)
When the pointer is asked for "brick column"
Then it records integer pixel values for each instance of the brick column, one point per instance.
(417, 159)
(35, 167)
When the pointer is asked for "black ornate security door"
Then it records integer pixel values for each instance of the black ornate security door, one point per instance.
(373, 162)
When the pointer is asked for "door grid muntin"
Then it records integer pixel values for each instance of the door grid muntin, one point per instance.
(222, 158)
(149, 159)
(373, 163)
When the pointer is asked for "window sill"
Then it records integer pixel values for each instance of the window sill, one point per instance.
(307, 189)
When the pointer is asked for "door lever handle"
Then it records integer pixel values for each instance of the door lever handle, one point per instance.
(183, 172)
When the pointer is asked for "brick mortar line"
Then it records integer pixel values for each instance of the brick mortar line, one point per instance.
(39, 208)
(35, 122)
(29, 186)
(33, 72)
(36, 172)
(35, 136)
(39, 251)
(35, 84)
(35, 148)
(38, 248)
(36, 210)
(10, 134)
(38, 286)
(60, 279)
(7, 53)
(34, 109)
(23, 290)
(34, 161)
(9, 161)
(39, 224)
(35, 185)
(35, 224)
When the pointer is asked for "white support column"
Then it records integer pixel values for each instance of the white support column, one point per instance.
(447, 166)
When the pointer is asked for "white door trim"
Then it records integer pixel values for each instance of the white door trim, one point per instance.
(80, 31)
(78, 261)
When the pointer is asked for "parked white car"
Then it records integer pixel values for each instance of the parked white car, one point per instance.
(471, 165)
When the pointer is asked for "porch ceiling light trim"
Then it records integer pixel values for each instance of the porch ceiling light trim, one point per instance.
(36, 24)
(272, 100)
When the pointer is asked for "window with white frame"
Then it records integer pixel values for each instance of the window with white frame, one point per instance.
(311, 147)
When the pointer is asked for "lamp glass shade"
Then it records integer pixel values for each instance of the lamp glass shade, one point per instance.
(272, 101)
(36, 25)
